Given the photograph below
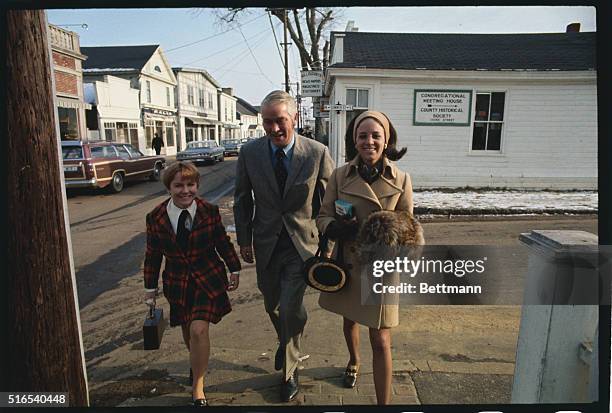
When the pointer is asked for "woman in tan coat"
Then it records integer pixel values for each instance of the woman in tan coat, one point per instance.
(370, 182)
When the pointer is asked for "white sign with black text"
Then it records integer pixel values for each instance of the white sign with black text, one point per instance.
(312, 83)
(442, 107)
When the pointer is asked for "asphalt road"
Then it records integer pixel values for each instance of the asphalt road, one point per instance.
(108, 230)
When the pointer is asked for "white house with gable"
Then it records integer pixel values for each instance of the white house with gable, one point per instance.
(230, 125)
(115, 112)
(196, 96)
(474, 110)
(148, 71)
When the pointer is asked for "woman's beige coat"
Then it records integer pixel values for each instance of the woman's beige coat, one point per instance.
(392, 191)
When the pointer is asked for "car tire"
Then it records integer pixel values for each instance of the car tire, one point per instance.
(117, 181)
(222, 158)
(156, 175)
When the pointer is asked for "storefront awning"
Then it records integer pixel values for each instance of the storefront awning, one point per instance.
(72, 103)
(202, 121)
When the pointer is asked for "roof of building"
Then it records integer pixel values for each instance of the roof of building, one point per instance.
(117, 57)
(540, 51)
(197, 70)
(244, 107)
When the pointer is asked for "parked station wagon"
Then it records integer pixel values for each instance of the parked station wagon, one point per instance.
(100, 164)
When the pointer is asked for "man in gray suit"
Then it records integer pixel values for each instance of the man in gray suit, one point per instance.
(281, 179)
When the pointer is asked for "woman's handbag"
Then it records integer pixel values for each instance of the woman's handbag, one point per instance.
(325, 274)
(153, 328)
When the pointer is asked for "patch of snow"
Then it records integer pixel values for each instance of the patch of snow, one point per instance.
(510, 200)
(116, 69)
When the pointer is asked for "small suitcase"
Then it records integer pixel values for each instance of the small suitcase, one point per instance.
(153, 328)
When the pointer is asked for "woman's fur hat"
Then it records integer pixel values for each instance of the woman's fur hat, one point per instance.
(390, 231)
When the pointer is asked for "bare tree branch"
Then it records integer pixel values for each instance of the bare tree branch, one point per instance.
(326, 54)
(318, 21)
(231, 15)
(303, 55)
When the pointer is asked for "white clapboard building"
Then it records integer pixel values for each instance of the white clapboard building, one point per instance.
(474, 110)
(148, 71)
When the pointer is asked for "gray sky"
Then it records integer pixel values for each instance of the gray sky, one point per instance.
(253, 66)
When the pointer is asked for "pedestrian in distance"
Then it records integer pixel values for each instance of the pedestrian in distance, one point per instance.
(188, 232)
(370, 182)
(157, 143)
(280, 179)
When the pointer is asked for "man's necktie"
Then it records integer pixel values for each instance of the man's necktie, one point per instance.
(182, 231)
(280, 171)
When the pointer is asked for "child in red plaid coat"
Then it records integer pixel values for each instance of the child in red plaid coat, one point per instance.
(188, 231)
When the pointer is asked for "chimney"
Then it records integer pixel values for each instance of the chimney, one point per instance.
(573, 28)
(228, 90)
(350, 26)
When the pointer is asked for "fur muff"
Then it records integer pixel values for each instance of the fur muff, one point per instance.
(389, 231)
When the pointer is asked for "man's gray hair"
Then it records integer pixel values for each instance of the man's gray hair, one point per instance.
(277, 97)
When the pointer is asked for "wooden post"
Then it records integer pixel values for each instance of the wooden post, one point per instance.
(44, 345)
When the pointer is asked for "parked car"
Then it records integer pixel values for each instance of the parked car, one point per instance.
(232, 146)
(201, 151)
(100, 164)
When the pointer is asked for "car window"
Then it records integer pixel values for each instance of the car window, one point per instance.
(123, 153)
(202, 144)
(103, 152)
(132, 151)
(72, 152)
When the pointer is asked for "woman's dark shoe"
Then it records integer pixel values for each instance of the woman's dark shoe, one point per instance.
(349, 378)
(291, 387)
(200, 402)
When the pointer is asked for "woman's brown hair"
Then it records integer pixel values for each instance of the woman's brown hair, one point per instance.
(391, 152)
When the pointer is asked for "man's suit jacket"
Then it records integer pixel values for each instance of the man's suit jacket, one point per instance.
(200, 262)
(259, 221)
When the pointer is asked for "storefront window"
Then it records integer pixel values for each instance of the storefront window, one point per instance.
(149, 131)
(189, 134)
(69, 126)
(110, 131)
(122, 132)
(169, 134)
(134, 138)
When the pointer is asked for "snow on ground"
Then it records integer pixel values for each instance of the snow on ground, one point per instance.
(509, 201)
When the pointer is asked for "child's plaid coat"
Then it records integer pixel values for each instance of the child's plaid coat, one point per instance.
(201, 262)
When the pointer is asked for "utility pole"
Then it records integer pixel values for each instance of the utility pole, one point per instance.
(285, 44)
(44, 342)
(298, 98)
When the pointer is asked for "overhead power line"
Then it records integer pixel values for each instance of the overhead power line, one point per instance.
(235, 62)
(238, 58)
(254, 58)
(275, 39)
(224, 49)
(213, 36)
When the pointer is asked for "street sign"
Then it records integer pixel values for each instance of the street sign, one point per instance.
(319, 110)
(442, 107)
(339, 107)
(312, 83)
